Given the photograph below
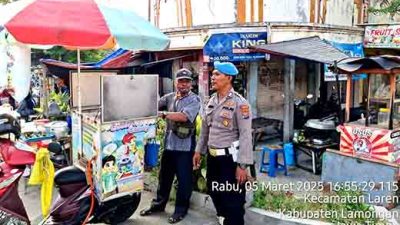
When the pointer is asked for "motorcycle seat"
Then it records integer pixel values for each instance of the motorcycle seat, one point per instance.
(69, 175)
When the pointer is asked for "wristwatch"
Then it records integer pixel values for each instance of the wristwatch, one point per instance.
(242, 166)
(163, 115)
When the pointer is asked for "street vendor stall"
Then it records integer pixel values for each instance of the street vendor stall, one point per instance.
(99, 27)
(113, 131)
(375, 135)
(369, 152)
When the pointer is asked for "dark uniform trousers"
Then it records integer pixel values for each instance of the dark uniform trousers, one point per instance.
(229, 203)
(179, 163)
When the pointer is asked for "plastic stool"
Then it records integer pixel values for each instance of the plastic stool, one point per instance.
(272, 165)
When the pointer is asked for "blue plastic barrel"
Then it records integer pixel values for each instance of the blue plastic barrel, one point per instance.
(289, 153)
(151, 154)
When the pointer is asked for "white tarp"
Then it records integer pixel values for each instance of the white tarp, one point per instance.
(20, 71)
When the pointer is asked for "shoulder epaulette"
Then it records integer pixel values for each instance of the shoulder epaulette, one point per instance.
(239, 96)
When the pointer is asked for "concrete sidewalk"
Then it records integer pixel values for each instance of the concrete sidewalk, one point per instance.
(197, 216)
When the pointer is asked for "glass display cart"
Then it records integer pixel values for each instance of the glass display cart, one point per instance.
(375, 135)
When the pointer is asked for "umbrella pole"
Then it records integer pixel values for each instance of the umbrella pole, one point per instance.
(78, 52)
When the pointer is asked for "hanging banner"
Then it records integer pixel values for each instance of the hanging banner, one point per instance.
(386, 36)
(15, 66)
(234, 46)
(352, 50)
(122, 156)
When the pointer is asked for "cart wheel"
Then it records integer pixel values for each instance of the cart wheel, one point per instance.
(124, 210)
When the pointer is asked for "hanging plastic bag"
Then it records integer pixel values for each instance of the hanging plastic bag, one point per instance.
(43, 174)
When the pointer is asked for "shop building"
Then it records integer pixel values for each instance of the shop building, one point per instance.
(205, 31)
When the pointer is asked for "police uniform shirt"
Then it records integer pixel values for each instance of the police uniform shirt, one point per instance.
(190, 106)
(226, 122)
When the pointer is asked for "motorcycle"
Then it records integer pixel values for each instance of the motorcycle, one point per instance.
(76, 202)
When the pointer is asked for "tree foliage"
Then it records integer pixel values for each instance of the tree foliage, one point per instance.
(3, 2)
(391, 7)
(60, 53)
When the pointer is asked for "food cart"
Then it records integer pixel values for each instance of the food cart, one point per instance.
(376, 134)
(118, 116)
(369, 152)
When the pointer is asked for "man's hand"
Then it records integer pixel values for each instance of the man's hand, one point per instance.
(162, 114)
(241, 175)
(196, 160)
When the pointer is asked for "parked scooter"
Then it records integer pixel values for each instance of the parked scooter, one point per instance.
(76, 198)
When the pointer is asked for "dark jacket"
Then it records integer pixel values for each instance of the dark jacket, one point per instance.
(25, 108)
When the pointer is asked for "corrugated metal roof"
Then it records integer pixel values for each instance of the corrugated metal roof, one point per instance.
(310, 48)
(384, 62)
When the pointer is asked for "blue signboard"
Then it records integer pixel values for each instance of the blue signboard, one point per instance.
(352, 50)
(234, 46)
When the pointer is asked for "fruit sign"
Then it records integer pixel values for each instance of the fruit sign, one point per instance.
(368, 142)
(383, 36)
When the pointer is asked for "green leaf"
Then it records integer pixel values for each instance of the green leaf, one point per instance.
(204, 172)
(386, 7)
(39, 110)
(202, 184)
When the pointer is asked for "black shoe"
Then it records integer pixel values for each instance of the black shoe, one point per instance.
(151, 210)
(175, 218)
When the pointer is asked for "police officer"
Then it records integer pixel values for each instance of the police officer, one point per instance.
(179, 143)
(227, 140)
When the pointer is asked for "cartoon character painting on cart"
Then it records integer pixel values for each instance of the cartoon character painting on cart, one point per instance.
(123, 156)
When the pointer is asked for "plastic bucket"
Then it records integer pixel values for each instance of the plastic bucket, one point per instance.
(151, 154)
(289, 153)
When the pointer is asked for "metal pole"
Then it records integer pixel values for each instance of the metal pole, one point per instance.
(392, 97)
(368, 98)
(45, 88)
(79, 81)
(338, 92)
